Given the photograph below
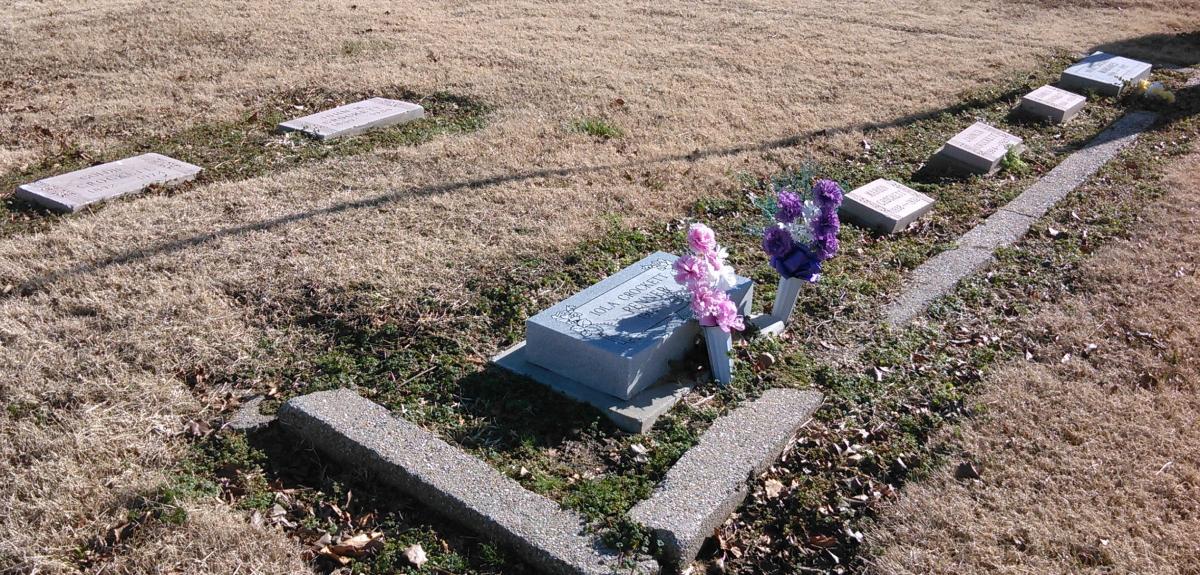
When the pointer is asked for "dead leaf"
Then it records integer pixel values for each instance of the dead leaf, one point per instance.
(966, 470)
(773, 487)
(197, 428)
(358, 545)
(764, 361)
(822, 541)
(415, 555)
(329, 554)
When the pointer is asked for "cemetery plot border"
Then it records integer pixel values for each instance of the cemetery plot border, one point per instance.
(937, 276)
(361, 433)
(709, 482)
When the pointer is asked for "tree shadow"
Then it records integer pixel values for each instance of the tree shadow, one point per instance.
(1176, 49)
(1181, 49)
(171, 246)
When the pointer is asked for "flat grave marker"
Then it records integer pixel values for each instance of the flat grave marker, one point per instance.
(72, 191)
(1052, 104)
(978, 149)
(1105, 74)
(356, 118)
(885, 205)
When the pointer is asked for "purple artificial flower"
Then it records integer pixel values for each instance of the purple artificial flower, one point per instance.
(777, 241)
(827, 195)
(791, 206)
(799, 263)
(824, 234)
(702, 239)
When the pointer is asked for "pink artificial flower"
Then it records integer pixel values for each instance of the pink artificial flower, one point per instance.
(727, 317)
(702, 239)
(691, 270)
(713, 308)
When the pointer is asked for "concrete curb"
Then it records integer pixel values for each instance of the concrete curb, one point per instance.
(710, 481)
(359, 432)
(938, 276)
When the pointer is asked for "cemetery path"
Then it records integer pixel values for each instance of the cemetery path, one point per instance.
(95, 367)
(1087, 452)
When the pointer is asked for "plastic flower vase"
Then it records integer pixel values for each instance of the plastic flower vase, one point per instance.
(785, 298)
(719, 344)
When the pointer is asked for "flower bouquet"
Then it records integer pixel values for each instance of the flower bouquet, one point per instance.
(708, 278)
(803, 233)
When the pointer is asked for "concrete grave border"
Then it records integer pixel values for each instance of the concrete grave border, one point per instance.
(941, 273)
(711, 480)
(362, 433)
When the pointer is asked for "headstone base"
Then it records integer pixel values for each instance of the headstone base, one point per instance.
(635, 415)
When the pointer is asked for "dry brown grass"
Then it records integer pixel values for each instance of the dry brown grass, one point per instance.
(1089, 466)
(141, 292)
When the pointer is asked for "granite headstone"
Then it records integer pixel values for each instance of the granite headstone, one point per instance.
(72, 191)
(978, 149)
(619, 335)
(885, 205)
(1104, 73)
(1052, 104)
(356, 118)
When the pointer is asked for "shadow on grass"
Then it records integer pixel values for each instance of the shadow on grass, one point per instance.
(176, 245)
(1181, 49)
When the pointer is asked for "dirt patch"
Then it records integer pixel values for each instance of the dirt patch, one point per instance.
(1086, 450)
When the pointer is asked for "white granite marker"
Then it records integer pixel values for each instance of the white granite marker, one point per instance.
(1106, 74)
(885, 205)
(979, 148)
(1052, 104)
(71, 191)
(356, 118)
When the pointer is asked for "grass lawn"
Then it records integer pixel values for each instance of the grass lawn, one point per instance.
(887, 392)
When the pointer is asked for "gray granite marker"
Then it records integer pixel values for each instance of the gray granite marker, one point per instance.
(885, 205)
(365, 435)
(938, 276)
(356, 118)
(1105, 74)
(1052, 104)
(620, 335)
(709, 482)
(977, 149)
(72, 191)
